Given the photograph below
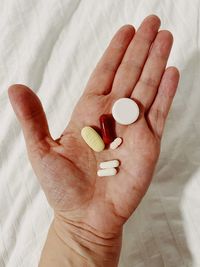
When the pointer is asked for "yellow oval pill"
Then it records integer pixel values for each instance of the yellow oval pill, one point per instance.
(93, 139)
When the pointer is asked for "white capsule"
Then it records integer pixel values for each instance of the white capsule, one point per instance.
(109, 164)
(116, 143)
(106, 172)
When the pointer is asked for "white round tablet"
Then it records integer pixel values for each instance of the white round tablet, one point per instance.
(125, 111)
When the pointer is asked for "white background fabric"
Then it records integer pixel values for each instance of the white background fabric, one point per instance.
(52, 46)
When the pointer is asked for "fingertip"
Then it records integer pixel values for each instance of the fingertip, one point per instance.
(173, 70)
(24, 101)
(127, 27)
(126, 32)
(17, 89)
(173, 73)
(16, 86)
(123, 36)
(166, 34)
(11, 91)
(153, 18)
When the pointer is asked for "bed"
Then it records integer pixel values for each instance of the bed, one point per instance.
(52, 46)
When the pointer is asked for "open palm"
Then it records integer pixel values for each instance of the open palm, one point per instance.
(134, 65)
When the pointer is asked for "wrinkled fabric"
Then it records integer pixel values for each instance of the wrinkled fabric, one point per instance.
(52, 46)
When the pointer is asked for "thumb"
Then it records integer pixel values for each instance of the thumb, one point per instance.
(31, 116)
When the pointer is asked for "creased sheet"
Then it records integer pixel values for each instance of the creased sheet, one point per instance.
(52, 46)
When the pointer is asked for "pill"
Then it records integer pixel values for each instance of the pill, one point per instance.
(125, 111)
(93, 139)
(109, 164)
(107, 172)
(116, 143)
(107, 128)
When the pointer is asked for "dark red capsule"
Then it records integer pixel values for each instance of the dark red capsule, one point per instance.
(107, 128)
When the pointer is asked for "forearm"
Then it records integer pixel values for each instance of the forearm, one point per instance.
(74, 250)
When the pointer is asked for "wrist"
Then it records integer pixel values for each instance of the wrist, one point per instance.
(94, 248)
(58, 253)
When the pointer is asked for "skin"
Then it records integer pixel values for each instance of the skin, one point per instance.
(85, 205)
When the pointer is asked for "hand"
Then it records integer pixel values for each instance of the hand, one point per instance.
(134, 65)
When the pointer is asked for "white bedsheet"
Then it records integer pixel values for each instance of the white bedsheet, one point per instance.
(52, 46)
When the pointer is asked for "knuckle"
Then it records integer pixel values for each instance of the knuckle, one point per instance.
(107, 67)
(158, 116)
(149, 81)
(131, 64)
